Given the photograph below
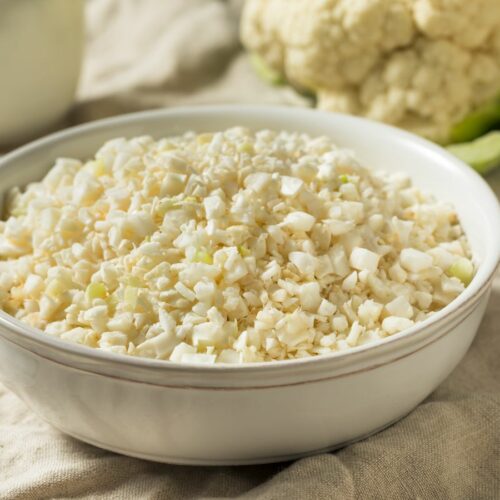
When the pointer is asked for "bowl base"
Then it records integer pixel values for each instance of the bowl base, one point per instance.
(229, 462)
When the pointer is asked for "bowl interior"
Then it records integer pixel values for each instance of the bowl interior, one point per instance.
(376, 145)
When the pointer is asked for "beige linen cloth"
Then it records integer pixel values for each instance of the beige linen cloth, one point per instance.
(150, 53)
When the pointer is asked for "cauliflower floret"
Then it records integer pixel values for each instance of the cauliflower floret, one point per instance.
(419, 64)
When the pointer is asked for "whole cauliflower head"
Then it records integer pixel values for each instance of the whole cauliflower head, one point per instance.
(419, 64)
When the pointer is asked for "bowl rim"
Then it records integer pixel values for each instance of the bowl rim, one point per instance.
(470, 295)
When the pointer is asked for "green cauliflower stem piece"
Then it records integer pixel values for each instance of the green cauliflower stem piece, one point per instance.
(477, 123)
(265, 72)
(482, 154)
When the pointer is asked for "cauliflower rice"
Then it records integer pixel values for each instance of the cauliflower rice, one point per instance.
(229, 247)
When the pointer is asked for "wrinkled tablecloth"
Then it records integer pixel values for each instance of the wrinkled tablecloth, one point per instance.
(149, 53)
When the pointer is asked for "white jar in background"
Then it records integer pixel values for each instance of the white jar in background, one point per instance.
(41, 43)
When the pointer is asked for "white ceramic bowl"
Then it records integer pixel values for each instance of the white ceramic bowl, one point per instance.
(41, 44)
(260, 412)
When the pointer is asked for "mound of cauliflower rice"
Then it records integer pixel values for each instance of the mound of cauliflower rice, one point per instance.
(229, 247)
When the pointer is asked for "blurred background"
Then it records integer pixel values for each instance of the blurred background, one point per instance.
(156, 53)
(67, 62)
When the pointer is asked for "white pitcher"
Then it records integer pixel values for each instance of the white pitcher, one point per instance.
(41, 43)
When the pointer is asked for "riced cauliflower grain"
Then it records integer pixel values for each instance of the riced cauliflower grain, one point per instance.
(227, 247)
